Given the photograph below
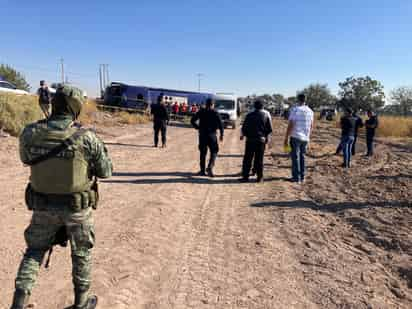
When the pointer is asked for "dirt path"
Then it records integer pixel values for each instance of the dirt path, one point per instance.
(168, 239)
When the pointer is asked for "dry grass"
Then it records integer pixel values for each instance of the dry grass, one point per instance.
(17, 111)
(391, 126)
(89, 113)
(130, 118)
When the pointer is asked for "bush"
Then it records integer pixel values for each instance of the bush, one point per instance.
(17, 111)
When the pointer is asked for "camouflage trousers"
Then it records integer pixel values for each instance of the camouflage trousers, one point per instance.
(40, 235)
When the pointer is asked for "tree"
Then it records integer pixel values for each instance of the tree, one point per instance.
(318, 95)
(362, 93)
(402, 97)
(14, 77)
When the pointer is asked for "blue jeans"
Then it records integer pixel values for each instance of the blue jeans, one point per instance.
(347, 143)
(298, 158)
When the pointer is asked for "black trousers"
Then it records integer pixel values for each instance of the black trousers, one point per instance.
(160, 127)
(208, 142)
(254, 151)
(369, 143)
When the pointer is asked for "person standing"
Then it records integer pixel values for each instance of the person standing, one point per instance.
(358, 125)
(63, 160)
(299, 130)
(348, 125)
(44, 98)
(256, 128)
(160, 120)
(371, 125)
(207, 121)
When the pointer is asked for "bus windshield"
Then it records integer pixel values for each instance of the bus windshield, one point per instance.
(225, 104)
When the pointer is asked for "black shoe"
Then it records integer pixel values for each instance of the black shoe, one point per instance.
(155, 145)
(210, 172)
(244, 180)
(201, 173)
(91, 303)
(293, 180)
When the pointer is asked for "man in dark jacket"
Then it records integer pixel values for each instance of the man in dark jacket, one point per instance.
(371, 125)
(207, 121)
(257, 127)
(160, 120)
(348, 125)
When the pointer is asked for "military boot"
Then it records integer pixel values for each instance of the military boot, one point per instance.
(20, 299)
(82, 300)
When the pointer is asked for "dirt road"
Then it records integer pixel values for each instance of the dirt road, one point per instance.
(169, 239)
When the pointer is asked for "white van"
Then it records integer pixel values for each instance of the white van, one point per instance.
(228, 108)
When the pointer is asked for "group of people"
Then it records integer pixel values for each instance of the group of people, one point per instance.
(256, 128)
(350, 124)
(65, 161)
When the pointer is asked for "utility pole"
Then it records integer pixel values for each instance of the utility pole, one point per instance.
(107, 74)
(199, 78)
(100, 79)
(62, 68)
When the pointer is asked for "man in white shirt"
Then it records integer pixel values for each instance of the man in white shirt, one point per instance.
(299, 130)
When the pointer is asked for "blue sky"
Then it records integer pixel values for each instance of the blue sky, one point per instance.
(241, 46)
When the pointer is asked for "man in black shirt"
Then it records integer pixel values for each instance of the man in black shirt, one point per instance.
(256, 127)
(359, 124)
(160, 120)
(207, 121)
(348, 125)
(371, 125)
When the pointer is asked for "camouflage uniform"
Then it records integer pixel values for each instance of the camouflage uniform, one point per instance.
(55, 211)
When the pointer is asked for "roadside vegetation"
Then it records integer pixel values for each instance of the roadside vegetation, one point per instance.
(17, 111)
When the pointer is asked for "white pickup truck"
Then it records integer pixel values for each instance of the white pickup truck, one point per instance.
(5, 86)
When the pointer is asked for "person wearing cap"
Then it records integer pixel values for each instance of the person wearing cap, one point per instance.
(64, 161)
(257, 127)
(44, 98)
(207, 121)
(348, 124)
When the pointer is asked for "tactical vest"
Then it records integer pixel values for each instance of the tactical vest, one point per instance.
(65, 173)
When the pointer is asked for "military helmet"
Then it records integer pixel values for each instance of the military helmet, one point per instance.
(73, 98)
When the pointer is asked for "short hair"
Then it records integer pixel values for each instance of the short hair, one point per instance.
(42, 82)
(301, 98)
(209, 102)
(349, 110)
(258, 104)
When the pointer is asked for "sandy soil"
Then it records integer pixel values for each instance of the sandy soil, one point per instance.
(169, 239)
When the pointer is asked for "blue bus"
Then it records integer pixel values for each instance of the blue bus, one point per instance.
(141, 97)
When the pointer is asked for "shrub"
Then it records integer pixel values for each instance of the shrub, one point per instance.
(17, 111)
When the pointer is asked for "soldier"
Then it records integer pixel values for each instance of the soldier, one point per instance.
(63, 160)
(209, 122)
(160, 120)
(44, 98)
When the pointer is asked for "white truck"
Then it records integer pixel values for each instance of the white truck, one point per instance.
(228, 108)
